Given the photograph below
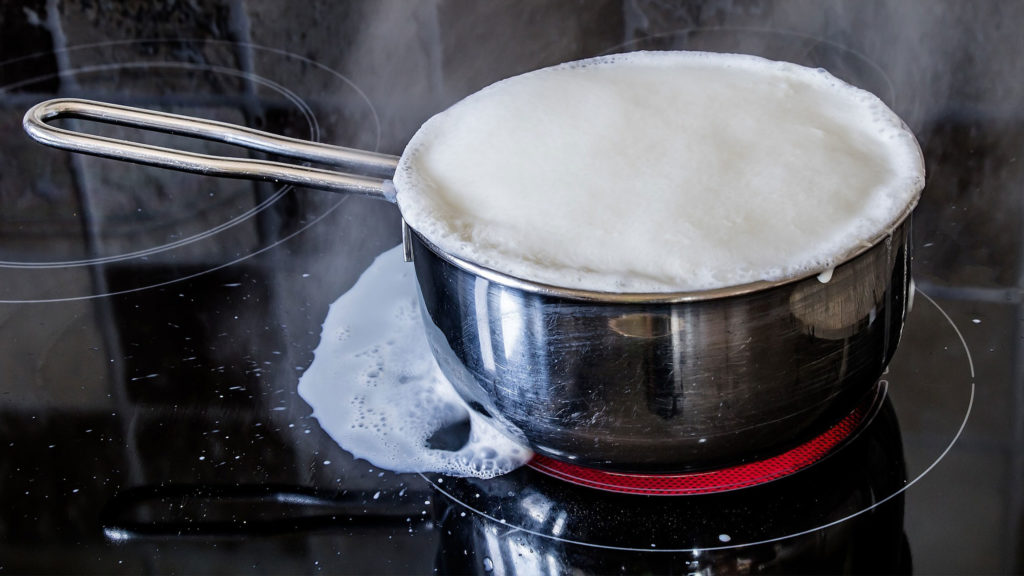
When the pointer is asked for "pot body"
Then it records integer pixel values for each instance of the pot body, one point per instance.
(663, 387)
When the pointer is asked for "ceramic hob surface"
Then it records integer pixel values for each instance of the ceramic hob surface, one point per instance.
(156, 325)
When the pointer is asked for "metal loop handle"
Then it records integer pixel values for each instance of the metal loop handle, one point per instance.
(382, 166)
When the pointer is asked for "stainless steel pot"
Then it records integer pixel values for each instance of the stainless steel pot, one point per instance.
(617, 381)
(698, 381)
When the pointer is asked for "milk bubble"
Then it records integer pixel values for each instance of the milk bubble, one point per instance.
(661, 172)
(376, 390)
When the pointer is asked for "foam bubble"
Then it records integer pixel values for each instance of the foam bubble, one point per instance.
(660, 171)
(377, 391)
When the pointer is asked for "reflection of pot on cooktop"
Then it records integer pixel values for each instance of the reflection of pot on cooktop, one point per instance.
(844, 514)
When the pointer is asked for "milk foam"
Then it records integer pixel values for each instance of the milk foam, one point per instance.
(661, 171)
(376, 390)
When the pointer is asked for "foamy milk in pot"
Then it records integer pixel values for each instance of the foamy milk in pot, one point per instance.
(660, 172)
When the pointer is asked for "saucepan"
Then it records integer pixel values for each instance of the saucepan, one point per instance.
(638, 382)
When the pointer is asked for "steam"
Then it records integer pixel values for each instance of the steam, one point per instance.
(927, 51)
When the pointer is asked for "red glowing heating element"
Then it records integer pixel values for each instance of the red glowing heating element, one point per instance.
(721, 480)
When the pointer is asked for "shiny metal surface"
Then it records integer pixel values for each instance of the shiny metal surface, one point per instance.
(36, 124)
(668, 386)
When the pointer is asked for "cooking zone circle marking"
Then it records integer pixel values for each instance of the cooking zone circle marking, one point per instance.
(71, 81)
(306, 112)
(445, 484)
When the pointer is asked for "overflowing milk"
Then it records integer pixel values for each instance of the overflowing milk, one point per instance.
(660, 171)
(375, 388)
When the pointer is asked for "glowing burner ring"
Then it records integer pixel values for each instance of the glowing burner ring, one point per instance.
(722, 479)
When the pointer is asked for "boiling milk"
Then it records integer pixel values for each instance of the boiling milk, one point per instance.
(660, 171)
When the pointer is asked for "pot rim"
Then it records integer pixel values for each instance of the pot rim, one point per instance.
(655, 297)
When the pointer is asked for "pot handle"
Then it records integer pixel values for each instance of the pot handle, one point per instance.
(379, 167)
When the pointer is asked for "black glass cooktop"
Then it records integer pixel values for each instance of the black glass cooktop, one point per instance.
(155, 325)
